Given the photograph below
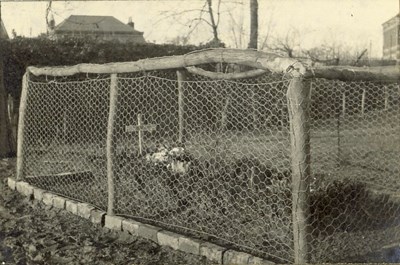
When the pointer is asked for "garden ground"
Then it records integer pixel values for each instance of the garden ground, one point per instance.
(31, 233)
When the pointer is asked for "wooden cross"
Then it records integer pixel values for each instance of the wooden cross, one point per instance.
(140, 128)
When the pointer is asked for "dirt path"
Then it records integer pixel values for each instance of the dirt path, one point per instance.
(31, 233)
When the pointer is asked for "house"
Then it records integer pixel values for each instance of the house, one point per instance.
(3, 31)
(102, 28)
(391, 38)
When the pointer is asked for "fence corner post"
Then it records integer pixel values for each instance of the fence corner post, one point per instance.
(110, 145)
(299, 108)
(21, 124)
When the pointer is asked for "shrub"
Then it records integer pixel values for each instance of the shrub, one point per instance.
(19, 53)
(348, 206)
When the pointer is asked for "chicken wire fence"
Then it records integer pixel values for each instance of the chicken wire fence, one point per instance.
(212, 158)
(355, 154)
(65, 132)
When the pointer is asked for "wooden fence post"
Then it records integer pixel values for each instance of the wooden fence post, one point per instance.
(363, 102)
(65, 126)
(110, 146)
(386, 98)
(343, 104)
(299, 108)
(21, 125)
(181, 74)
(140, 134)
(398, 90)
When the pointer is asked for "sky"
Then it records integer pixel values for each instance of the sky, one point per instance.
(310, 23)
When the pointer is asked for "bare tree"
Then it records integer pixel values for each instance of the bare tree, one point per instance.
(179, 40)
(237, 30)
(205, 15)
(360, 56)
(253, 24)
(335, 54)
(325, 54)
(213, 24)
(286, 45)
(267, 33)
(48, 10)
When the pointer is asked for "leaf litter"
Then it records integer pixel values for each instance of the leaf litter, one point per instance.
(32, 233)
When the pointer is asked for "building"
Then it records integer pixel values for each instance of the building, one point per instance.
(391, 39)
(102, 28)
(3, 31)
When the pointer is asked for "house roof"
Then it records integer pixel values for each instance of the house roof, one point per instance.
(391, 19)
(3, 31)
(101, 24)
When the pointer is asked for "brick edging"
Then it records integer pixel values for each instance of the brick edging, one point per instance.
(160, 236)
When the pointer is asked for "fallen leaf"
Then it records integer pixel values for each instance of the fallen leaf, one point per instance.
(87, 249)
(56, 259)
(31, 249)
(51, 249)
(38, 258)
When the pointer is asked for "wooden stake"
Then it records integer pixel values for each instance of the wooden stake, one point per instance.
(21, 126)
(110, 145)
(253, 100)
(140, 135)
(181, 107)
(343, 104)
(386, 98)
(339, 148)
(299, 104)
(398, 86)
(64, 136)
(338, 124)
(363, 102)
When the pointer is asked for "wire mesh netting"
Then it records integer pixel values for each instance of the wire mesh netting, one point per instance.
(65, 132)
(355, 152)
(208, 168)
(212, 158)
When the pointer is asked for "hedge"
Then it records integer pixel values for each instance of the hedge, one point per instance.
(19, 53)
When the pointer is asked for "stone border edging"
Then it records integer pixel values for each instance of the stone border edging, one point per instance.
(162, 237)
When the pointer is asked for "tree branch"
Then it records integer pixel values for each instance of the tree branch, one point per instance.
(213, 25)
(218, 12)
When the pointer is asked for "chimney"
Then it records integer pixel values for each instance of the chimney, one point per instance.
(130, 23)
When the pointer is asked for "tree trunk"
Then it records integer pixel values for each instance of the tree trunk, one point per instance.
(253, 24)
(253, 45)
(213, 24)
(13, 123)
(5, 147)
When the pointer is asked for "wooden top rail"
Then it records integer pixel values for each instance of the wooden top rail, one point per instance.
(226, 76)
(261, 61)
(252, 58)
(348, 73)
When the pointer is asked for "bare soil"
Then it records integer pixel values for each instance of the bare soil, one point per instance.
(32, 233)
